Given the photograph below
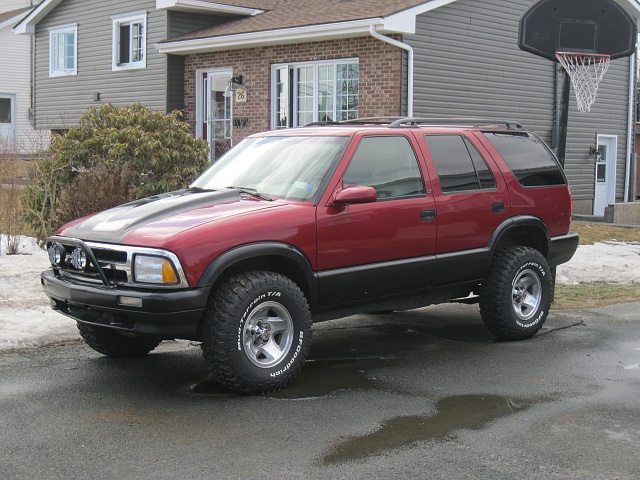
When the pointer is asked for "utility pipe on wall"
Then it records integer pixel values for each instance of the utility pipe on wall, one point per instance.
(409, 50)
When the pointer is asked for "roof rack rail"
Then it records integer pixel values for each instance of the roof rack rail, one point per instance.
(472, 122)
(322, 123)
(371, 120)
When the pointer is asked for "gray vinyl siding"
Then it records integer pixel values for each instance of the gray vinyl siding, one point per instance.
(608, 116)
(60, 101)
(468, 64)
(185, 22)
(175, 83)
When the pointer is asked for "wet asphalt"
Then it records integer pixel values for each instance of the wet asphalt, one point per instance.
(425, 394)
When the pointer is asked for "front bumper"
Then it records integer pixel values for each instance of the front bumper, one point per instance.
(163, 313)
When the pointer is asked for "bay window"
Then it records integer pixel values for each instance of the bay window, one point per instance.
(308, 92)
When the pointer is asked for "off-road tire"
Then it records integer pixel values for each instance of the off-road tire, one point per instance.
(516, 293)
(114, 344)
(256, 332)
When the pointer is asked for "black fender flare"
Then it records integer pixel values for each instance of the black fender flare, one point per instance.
(257, 250)
(517, 222)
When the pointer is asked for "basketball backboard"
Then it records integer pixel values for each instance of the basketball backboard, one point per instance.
(583, 26)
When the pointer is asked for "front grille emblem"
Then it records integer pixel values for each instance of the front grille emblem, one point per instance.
(78, 259)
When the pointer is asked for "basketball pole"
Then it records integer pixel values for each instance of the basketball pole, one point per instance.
(564, 119)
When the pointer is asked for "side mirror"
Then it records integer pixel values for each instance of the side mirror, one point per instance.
(355, 195)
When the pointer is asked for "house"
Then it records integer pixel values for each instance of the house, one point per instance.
(91, 52)
(237, 67)
(17, 134)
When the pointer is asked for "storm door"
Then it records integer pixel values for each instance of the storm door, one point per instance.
(605, 173)
(7, 121)
(214, 111)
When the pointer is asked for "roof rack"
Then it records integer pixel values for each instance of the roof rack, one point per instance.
(398, 122)
(471, 122)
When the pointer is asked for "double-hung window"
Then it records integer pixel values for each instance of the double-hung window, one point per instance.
(130, 41)
(63, 50)
(308, 92)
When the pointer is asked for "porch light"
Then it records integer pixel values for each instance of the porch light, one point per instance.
(234, 82)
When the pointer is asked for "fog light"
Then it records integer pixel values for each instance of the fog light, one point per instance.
(130, 301)
(56, 254)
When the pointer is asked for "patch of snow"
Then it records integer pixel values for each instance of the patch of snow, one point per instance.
(26, 318)
(613, 262)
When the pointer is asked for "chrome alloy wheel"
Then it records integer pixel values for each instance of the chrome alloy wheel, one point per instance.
(527, 294)
(268, 334)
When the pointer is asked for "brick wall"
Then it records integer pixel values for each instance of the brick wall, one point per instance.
(380, 74)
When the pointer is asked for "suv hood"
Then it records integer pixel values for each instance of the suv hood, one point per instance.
(176, 211)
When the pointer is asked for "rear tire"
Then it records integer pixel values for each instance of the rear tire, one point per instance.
(516, 293)
(114, 344)
(256, 332)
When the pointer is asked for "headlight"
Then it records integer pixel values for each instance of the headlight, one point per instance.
(159, 270)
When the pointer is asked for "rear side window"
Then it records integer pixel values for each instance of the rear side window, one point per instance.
(387, 164)
(528, 158)
(459, 165)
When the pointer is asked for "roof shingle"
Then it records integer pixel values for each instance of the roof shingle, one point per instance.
(300, 13)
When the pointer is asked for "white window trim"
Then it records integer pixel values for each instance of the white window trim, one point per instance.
(274, 69)
(115, 42)
(56, 31)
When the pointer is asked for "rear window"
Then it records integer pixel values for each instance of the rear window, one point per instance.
(529, 159)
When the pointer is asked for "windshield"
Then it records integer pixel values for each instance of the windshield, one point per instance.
(291, 168)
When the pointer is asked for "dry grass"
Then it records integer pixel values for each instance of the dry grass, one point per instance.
(591, 295)
(14, 175)
(598, 232)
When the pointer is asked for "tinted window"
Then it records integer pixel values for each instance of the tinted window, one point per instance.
(528, 158)
(459, 165)
(387, 164)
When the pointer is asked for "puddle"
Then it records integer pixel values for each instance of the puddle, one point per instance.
(318, 379)
(466, 412)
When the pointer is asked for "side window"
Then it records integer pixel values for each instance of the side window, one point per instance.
(387, 164)
(528, 158)
(63, 51)
(459, 165)
(129, 42)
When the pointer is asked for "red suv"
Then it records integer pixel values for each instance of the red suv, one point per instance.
(308, 224)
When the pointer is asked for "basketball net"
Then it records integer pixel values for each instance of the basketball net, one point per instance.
(585, 70)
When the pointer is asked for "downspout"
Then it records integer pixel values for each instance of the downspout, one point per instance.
(409, 50)
(630, 132)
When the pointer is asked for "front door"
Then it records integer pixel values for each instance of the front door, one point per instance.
(605, 173)
(214, 110)
(387, 247)
(7, 121)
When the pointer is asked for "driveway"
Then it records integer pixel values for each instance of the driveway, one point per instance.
(421, 394)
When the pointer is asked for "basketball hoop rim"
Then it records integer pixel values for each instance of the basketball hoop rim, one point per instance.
(596, 57)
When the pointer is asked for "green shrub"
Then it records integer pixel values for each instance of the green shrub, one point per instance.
(149, 152)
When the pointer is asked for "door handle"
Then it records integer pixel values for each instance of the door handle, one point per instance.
(427, 215)
(498, 207)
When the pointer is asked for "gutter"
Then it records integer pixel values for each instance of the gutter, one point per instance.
(630, 131)
(409, 50)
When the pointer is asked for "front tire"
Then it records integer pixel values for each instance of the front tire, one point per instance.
(113, 344)
(516, 293)
(256, 332)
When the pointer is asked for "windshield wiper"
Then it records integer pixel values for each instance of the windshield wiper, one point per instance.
(253, 192)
